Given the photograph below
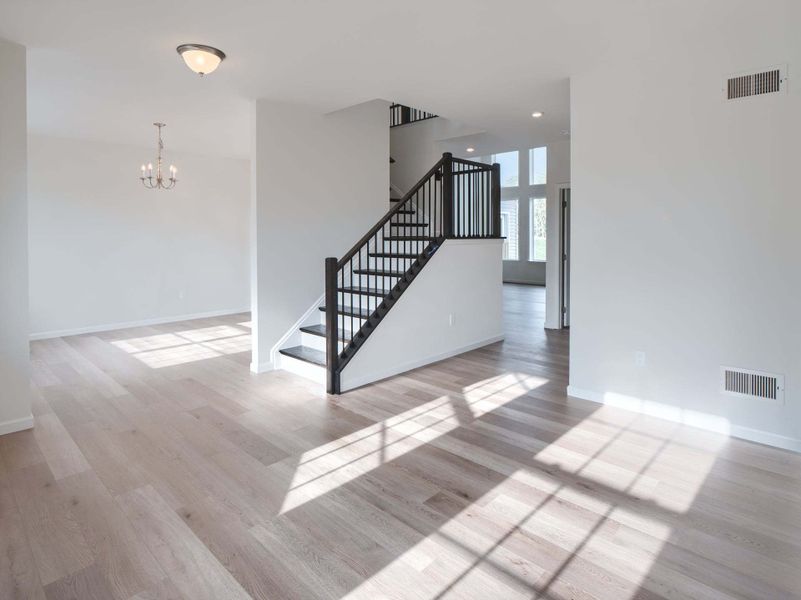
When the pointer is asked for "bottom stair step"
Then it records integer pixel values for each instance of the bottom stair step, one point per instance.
(309, 355)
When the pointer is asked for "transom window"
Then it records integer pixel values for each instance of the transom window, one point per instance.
(538, 166)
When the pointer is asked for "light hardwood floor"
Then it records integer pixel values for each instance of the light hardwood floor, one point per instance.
(161, 468)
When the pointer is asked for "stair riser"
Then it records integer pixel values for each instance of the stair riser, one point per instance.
(384, 283)
(409, 231)
(345, 324)
(379, 264)
(391, 264)
(353, 300)
(407, 247)
(312, 372)
(316, 342)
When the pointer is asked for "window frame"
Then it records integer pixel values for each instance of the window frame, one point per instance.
(507, 242)
(531, 238)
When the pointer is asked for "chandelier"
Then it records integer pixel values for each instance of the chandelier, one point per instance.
(158, 183)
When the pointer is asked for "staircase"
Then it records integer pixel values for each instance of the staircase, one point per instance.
(456, 199)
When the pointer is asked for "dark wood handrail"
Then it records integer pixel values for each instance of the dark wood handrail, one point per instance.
(392, 211)
(479, 165)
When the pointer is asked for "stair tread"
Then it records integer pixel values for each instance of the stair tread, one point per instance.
(364, 291)
(348, 310)
(402, 224)
(405, 238)
(320, 331)
(379, 272)
(304, 353)
(405, 211)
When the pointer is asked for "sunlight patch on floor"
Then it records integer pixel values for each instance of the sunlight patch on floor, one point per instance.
(598, 499)
(181, 347)
(334, 464)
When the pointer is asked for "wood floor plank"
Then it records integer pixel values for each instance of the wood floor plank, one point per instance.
(59, 449)
(120, 557)
(19, 577)
(161, 467)
(58, 545)
(188, 562)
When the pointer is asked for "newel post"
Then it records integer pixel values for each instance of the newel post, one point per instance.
(447, 195)
(331, 327)
(496, 200)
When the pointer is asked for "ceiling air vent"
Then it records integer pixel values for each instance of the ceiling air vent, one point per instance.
(752, 384)
(745, 85)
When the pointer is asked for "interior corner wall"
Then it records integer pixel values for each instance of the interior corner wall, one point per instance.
(15, 401)
(686, 219)
(320, 182)
(417, 146)
(105, 252)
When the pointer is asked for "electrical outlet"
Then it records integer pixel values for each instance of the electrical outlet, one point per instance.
(639, 358)
(451, 320)
(181, 295)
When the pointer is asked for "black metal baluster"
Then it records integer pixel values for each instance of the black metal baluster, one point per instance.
(460, 202)
(496, 200)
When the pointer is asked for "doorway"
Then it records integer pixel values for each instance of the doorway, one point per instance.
(564, 256)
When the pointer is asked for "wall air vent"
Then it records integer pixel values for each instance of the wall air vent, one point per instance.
(745, 85)
(752, 384)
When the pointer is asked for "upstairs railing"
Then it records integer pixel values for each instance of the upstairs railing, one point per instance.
(456, 199)
(401, 115)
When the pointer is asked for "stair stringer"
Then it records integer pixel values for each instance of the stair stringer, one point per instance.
(453, 305)
(292, 336)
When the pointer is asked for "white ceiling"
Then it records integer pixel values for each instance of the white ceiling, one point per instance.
(106, 69)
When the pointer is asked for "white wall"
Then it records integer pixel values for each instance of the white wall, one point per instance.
(417, 146)
(558, 175)
(321, 181)
(686, 219)
(462, 280)
(15, 402)
(104, 251)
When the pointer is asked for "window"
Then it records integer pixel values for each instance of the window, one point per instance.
(509, 162)
(538, 166)
(536, 231)
(509, 229)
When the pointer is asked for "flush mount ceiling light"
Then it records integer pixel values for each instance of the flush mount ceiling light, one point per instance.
(537, 114)
(201, 59)
(471, 149)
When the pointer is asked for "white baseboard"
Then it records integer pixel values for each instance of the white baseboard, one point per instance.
(524, 282)
(687, 417)
(16, 425)
(43, 335)
(350, 384)
(264, 367)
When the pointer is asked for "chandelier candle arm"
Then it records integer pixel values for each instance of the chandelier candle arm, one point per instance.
(147, 173)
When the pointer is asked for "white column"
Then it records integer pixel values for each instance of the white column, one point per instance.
(15, 401)
(319, 182)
